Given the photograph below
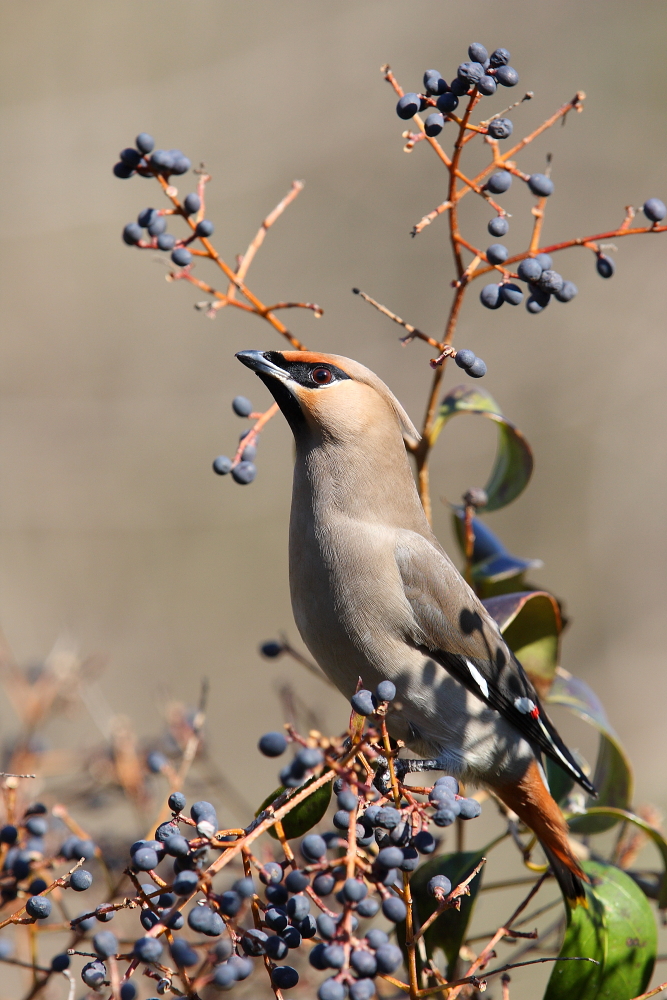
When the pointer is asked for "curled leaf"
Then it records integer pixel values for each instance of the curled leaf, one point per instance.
(493, 567)
(531, 624)
(305, 815)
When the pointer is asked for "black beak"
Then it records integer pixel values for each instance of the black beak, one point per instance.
(258, 362)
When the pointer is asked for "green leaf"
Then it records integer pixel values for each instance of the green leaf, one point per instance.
(513, 465)
(303, 817)
(618, 930)
(531, 625)
(448, 931)
(613, 773)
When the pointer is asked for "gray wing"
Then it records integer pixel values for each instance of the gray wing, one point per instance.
(454, 628)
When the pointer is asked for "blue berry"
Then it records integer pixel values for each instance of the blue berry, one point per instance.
(128, 991)
(394, 909)
(181, 257)
(132, 233)
(487, 86)
(530, 269)
(425, 842)
(334, 956)
(447, 103)
(37, 826)
(183, 954)
(449, 782)
(490, 297)
(94, 974)
(477, 53)
(512, 294)
(368, 907)
(605, 266)
(434, 84)
(434, 124)
(176, 802)
(535, 304)
(497, 253)
(362, 989)
(567, 292)
(410, 860)
(38, 907)
(222, 465)
(130, 157)
(122, 171)
(8, 834)
(408, 106)
(205, 921)
(347, 800)
(242, 966)
(313, 847)
(465, 358)
(363, 962)
(541, 185)
(388, 957)
(354, 890)
(477, 369)
(157, 226)
(545, 261)
(459, 87)
(550, 281)
(156, 761)
(271, 649)
(191, 203)
(470, 72)
(181, 165)
(500, 128)
(500, 57)
(80, 880)
(469, 808)
(146, 217)
(272, 744)
(271, 873)
(145, 859)
(145, 142)
(185, 883)
(245, 887)
(163, 160)
(298, 907)
(385, 691)
(306, 928)
(230, 903)
(323, 883)
(244, 473)
(205, 228)
(376, 938)
(284, 977)
(499, 182)
(362, 702)
(439, 882)
(177, 846)
(331, 989)
(36, 886)
(253, 942)
(444, 816)
(326, 926)
(105, 944)
(60, 962)
(388, 817)
(147, 949)
(276, 947)
(166, 241)
(276, 894)
(390, 857)
(241, 406)
(655, 210)
(507, 76)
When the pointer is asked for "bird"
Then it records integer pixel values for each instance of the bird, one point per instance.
(375, 596)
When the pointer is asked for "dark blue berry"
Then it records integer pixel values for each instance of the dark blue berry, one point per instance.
(205, 921)
(271, 649)
(181, 257)
(529, 269)
(244, 473)
(487, 86)
(132, 233)
(38, 907)
(388, 957)
(362, 989)
(425, 842)
(105, 944)
(490, 297)
(276, 948)
(37, 826)
(306, 928)
(130, 157)
(80, 880)
(146, 217)
(284, 977)
(166, 241)
(177, 846)
(60, 962)
(156, 761)
(385, 691)
(439, 882)
(507, 76)
(185, 883)
(145, 859)
(470, 72)
(368, 907)
(362, 702)
(434, 84)
(272, 744)
(176, 802)
(477, 53)
(222, 465)
(205, 228)
(183, 954)
(500, 57)
(497, 253)
(191, 203)
(390, 857)
(242, 967)
(230, 903)
(550, 281)
(498, 226)
(541, 185)
(464, 358)
(447, 103)
(271, 873)
(376, 938)
(8, 834)
(241, 406)
(94, 973)
(253, 942)
(313, 847)
(535, 304)
(567, 292)
(163, 160)
(36, 886)
(331, 989)
(326, 926)
(181, 165)
(655, 210)
(469, 808)
(434, 124)
(605, 266)
(388, 817)
(298, 907)
(224, 977)
(500, 128)
(512, 294)
(544, 260)
(410, 860)
(408, 106)
(145, 142)
(394, 909)
(334, 955)
(459, 87)
(245, 887)
(347, 800)
(122, 171)
(354, 890)
(444, 816)
(499, 182)
(323, 883)
(147, 949)
(363, 962)
(157, 226)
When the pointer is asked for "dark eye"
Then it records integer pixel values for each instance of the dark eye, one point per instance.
(321, 375)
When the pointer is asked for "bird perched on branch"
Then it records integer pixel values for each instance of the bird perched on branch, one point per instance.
(375, 596)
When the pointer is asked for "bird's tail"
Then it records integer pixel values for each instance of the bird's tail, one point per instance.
(530, 799)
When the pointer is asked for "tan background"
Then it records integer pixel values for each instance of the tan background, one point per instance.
(115, 392)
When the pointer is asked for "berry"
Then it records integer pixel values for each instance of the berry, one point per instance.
(487, 86)
(499, 182)
(222, 465)
(181, 165)
(394, 909)
(60, 962)
(272, 744)
(434, 84)
(490, 297)
(183, 954)
(368, 907)
(8, 834)
(94, 974)
(567, 292)
(241, 406)
(253, 942)
(497, 253)
(37, 826)
(230, 903)
(326, 926)
(459, 87)
(166, 241)
(544, 260)
(424, 842)
(354, 890)
(122, 171)
(80, 880)
(550, 281)
(334, 956)
(447, 103)
(439, 882)
(541, 185)
(271, 874)
(655, 210)
(298, 907)
(244, 472)
(242, 966)
(205, 228)
(535, 305)
(306, 928)
(529, 269)
(347, 800)
(176, 802)
(147, 949)
(128, 991)
(224, 977)
(448, 782)
(605, 266)
(185, 883)
(390, 857)
(388, 817)
(38, 907)
(181, 257)
(500, 128)
(498, 226)
(331, 989)
(271, 649)
(500, 57)
(313, 847)
(388, 957)
(157, 226)
(376, 938)
(145, 859)
(507, 76)
(512, 294)
(163, 160)
(156, 761)
(132, 233)
(434, 124)
(205, 921)
(385, 691)
(245, 887)
(323, 884)
(410, 860)
(362, 702)
(470, 72)
(469, 808)
(145, 142)
(309, 757)
(478, 369)
(408, 106)
(465, 359)
(477, 53)
(105, 944)
(276, 894)
(36, 886)
(284, 977)
(444, 817)
(363, 962)
(177, 846)
(191, 203)
(362, 989)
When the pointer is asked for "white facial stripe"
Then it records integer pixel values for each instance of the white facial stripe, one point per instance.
(477, 677)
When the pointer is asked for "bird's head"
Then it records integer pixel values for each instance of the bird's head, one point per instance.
(332, 396)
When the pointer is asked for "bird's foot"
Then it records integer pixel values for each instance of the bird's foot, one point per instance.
(382, 779)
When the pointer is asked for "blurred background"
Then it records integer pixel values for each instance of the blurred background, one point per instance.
(116, 537)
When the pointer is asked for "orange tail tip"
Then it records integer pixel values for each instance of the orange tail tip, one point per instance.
(530, 799)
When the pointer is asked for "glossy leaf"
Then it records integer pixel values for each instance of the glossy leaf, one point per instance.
(618, 930)
(303, 817)
(494, 569)
(531, 624)
(448, 931)
(613, 773)
(513, 465)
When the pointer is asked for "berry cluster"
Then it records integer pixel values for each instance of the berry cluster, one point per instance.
(242, 466)
(542, 281)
